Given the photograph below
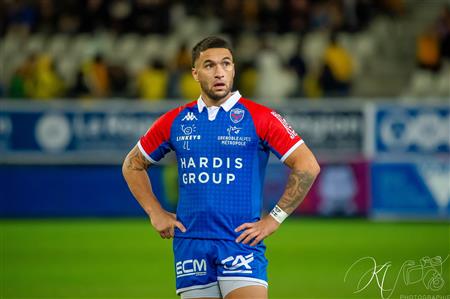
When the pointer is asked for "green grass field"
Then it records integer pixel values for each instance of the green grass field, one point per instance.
(125, 258)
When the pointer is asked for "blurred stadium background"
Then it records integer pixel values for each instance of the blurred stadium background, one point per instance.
(365, 82)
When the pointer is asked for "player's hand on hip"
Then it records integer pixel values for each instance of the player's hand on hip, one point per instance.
(257, 231)
(165, 222)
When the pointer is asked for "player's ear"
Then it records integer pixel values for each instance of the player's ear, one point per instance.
(194, 73)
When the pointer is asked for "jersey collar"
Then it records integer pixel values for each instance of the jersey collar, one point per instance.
(227, 105)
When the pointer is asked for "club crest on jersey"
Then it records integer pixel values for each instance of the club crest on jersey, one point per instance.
(236, 115)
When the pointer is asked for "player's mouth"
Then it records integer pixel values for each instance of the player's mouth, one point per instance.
(219, 85)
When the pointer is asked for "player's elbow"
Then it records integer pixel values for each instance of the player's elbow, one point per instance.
(125, 167)
(309, 164)
(315, 168)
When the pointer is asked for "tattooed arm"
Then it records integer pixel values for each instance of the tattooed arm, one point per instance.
(304, 171)
(134, 170)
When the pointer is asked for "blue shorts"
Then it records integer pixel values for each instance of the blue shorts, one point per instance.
(200, 263)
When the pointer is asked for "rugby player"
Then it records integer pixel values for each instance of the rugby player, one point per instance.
(222, 143)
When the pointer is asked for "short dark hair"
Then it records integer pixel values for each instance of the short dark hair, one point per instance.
(209, 43)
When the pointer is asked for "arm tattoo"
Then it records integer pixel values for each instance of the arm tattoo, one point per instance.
(137, 161)
(297, 187)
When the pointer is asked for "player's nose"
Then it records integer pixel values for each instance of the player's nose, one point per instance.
(219, 72)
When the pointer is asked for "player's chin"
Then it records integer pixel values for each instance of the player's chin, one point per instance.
(219, 93)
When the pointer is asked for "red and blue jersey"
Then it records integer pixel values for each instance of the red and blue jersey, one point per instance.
(222, 154)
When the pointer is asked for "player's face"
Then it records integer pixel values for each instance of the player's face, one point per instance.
(214, 70)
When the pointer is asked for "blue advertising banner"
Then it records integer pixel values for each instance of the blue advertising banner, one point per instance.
(73, 191)
(71, 134)
(103, 132)
(412, 129)
(418, 189)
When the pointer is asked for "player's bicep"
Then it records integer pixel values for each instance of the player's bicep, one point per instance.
(302, 158)
(135, 160)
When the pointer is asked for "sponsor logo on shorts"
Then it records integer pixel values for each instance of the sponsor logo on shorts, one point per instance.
(191, 267)
(238, 264)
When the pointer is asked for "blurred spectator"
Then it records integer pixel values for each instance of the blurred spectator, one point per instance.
(274, 81)
(80, 88)
(151, 16)
(94, 15)
(392, 7)
(45, 82)
(298, 65)
(180, 64)
(327, 15)
(428, 52)
(152, 81)
(190, 89)
(183, 58)
(247, 79)
(20, 82)
(3, 17)
(443, 25)
(69, 17)
(357, 14)
(21, 17)
(17, 89)
(181, 75)
(98, 77)
(231, 14)
(48, 17)
(298, 15)
(118, 81)
(337, 71)
(250, 13)
(120, 15)
(272, 17)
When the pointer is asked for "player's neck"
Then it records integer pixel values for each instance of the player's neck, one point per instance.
(211, 102)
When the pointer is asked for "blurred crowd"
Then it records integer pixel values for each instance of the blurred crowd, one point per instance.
(158, 16)
(266, 76)
(98, 76)
(433, 44)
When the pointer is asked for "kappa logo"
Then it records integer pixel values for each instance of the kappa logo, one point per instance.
(236, 115)
(189, 117)
(238, 264)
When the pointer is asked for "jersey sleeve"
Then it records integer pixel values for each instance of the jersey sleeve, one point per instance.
(155, 143)
(273, 130)
(280, 136)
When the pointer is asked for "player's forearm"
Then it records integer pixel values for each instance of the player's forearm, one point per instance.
(140, 187)
(134, 170)
(298, 185)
